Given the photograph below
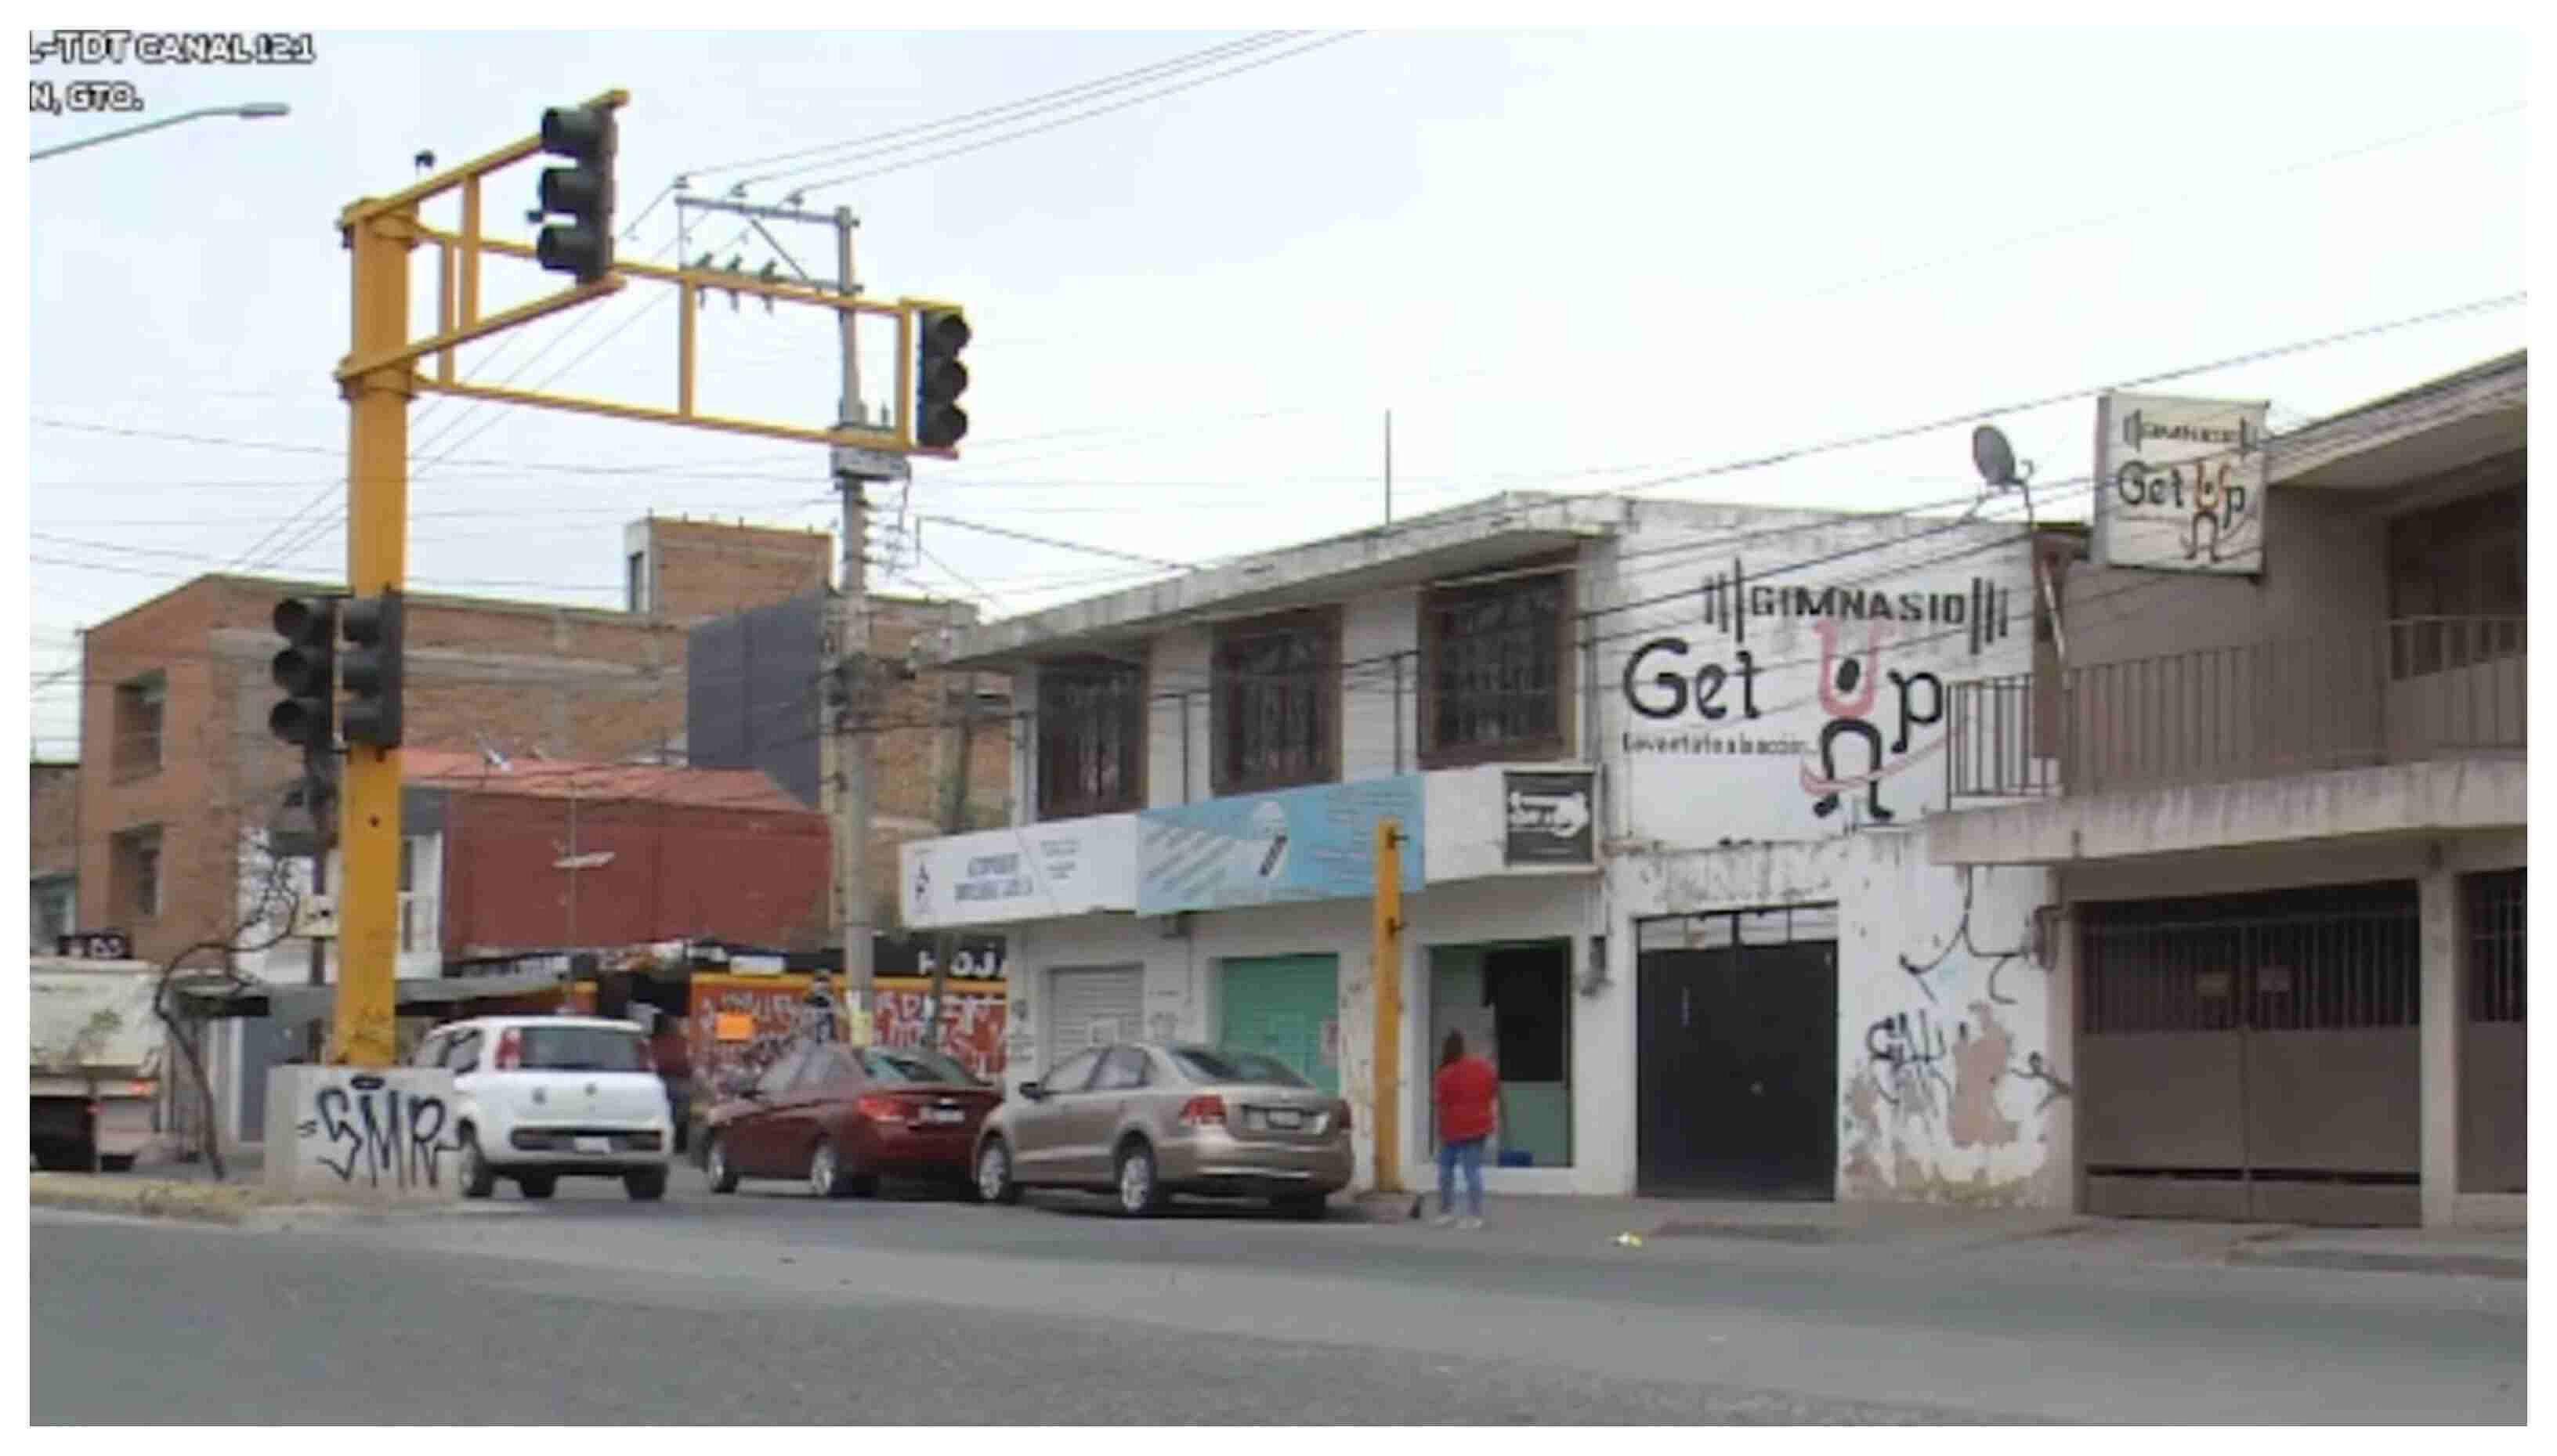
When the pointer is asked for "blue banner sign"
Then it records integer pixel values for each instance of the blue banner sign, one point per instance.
(1309, 844)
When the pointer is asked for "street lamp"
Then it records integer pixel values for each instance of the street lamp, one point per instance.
(249, 112)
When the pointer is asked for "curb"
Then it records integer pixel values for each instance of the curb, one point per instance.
(211, 1203)
(2473, 1266)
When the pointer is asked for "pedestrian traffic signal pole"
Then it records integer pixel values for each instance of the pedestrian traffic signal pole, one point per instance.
(1385, 1134)
(380, 375)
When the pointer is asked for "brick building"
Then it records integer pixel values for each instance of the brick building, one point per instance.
(178, 770)
(52, 853)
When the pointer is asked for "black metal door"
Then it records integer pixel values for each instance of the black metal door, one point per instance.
(1736, 1071)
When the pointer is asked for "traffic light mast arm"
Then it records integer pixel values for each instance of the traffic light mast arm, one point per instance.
(568, 297)
(445, 181)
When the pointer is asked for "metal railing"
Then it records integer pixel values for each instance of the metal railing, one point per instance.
(2408, 689)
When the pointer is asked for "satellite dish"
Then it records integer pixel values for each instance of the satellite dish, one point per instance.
(1994, 457)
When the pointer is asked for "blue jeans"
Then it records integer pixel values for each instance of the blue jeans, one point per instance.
(1468, 1155)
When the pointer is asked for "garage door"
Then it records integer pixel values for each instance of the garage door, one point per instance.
(1289, 1007)
(1093, 1006)
(2252, 1056)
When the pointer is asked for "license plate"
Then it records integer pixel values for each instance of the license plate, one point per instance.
(595, 1144)
(1289, 1119)
(944, 1116)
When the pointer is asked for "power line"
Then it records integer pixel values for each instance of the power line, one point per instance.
(1045, 100)
(1071, 119)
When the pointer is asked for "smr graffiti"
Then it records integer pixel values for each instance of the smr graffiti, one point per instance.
(371, 1130)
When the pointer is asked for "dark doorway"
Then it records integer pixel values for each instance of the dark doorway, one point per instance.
(1736, 1056)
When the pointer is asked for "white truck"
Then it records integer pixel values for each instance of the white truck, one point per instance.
(96, 1055)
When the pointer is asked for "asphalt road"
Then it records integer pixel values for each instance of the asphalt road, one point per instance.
(778, 1308)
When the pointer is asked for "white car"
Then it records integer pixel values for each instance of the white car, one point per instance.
(538, 1099)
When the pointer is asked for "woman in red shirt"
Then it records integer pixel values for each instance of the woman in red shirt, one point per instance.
(1467, 1094)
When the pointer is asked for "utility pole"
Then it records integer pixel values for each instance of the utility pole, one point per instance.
(845, 746)
(851, 640)
(1389, 467)
(955, 817)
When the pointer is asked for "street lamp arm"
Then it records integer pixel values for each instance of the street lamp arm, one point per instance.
(250, 111)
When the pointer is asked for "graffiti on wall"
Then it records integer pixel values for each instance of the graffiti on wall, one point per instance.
(1948, 1086)
(374, 1133)
(972, 1027)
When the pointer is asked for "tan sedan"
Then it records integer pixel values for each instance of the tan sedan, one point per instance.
(1150, 1122)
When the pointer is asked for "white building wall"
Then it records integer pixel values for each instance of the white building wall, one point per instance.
(1954, 1051)
(1176, 684)
(1380, 703)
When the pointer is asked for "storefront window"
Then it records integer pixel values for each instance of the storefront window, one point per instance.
(1512, 1003)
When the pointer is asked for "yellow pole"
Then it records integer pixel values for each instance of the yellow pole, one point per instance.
(1387, 1135)
(376, 561)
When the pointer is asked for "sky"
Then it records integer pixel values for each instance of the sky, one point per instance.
(1562, 260)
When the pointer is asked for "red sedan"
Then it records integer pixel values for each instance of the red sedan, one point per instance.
(837, 1117)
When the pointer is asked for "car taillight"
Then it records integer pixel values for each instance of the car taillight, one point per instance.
(880, 1109)
(510, 1050)
(1344, 1115)
(1203, 1111)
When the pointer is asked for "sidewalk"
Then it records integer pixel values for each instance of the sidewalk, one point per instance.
(1556, 1224)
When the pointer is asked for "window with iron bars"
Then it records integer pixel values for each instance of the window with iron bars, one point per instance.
(1494, 664)
(2330, 957)
(1275, 718)
(1091, 737)
(2458, 583)
(2496, 928)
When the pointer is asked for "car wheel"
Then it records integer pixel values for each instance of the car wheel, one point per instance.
(478, 1181)
(538, 1185)
(1309, 1206)
(115, 1162)
(825, 1172)
(715, 1162)
(1140, 1194)
(995, 1173)
(645, 1185)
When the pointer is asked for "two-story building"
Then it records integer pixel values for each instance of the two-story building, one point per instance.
(2281, 790)
(1658, 768)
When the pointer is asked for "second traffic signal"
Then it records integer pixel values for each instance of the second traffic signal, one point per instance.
(371, 669)
(305, 669)
(939, 378)
(581, 244)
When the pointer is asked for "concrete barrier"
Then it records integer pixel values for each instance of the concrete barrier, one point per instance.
(335, 1134)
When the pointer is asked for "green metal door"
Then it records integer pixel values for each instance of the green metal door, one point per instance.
(1289, 1007)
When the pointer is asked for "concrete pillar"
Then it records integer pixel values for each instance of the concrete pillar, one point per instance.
(2065, 1189)
(2439, 1079)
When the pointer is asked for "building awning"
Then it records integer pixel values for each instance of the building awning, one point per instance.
(419, 998)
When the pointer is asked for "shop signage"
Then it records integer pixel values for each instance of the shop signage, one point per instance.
(1309, 844)
(2180, 483)
(1551, 817)
(1038, 873)
(1808, 693)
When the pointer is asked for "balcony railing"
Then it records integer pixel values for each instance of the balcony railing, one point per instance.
(2414, 689)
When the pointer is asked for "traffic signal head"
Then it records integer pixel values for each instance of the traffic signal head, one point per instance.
(305, 669)
(373, 669)
(581, 196)
(939, 378)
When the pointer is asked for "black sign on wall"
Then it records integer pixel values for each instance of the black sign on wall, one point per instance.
(1552, 817)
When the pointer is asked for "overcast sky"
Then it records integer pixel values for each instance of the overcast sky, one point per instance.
(1562, 261)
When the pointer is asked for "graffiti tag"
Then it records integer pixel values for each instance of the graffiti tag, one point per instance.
(372, 1129)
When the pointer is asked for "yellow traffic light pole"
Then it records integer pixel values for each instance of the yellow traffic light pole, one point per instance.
(379, 377)
(1387, 1135)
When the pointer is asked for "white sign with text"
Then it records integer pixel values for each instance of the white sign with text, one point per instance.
(2180, 483)
(1037, 872)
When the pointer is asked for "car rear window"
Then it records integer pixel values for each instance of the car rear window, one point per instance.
(584, 1049)
(1249, 1068)
(915, 1067)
